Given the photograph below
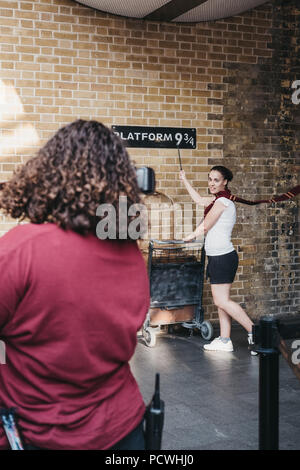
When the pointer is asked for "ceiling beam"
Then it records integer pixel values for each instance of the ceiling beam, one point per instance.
(173, 9)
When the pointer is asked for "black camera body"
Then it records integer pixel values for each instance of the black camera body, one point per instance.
(146, 179)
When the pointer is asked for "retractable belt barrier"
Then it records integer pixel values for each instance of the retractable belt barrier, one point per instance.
(269, 337)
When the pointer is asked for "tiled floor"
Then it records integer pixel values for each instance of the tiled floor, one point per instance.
(211, 398)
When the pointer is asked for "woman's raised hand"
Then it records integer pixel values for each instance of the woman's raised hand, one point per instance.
(182, 175)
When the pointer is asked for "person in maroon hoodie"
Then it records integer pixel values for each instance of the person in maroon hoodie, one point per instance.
(70, 303)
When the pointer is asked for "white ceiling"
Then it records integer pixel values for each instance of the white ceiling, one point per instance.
(216, 9)
(206, 10)
(131, 8)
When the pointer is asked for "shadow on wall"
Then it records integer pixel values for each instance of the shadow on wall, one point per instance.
(17, 139)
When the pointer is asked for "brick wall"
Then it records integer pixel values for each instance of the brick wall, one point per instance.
(229, 79)
(261, 144)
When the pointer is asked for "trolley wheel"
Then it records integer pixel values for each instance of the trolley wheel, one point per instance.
(207, 330)
(149, 337)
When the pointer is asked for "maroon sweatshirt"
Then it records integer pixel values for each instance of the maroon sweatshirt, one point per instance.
(70, 309)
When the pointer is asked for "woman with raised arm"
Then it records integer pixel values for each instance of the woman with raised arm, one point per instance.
(217, 225)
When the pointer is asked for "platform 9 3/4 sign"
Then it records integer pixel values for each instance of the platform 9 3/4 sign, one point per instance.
(157, 137)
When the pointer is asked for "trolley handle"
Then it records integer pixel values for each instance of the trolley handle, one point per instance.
(173, 242)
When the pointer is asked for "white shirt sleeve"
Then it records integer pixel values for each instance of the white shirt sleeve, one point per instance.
(224, 200)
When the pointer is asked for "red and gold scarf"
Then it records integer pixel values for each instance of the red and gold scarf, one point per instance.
(227, 193)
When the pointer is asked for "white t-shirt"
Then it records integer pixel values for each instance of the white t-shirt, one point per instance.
(218, 238)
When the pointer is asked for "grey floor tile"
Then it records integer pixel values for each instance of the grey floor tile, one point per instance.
(212, 398)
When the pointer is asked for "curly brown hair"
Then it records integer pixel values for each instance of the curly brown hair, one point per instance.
(82, 166)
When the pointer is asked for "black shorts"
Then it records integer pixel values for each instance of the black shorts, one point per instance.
(222, 269)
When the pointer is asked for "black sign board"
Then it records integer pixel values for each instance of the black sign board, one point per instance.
(157, 137)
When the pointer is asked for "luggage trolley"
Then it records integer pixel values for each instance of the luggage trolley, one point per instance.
(176, 275)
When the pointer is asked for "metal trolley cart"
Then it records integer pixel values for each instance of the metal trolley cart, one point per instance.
(176, 274)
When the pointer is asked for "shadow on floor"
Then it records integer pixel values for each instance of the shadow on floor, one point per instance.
(211, 398)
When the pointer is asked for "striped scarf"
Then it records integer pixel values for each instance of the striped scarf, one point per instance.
(227, 193)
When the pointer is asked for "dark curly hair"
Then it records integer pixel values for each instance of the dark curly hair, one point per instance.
(82, 166)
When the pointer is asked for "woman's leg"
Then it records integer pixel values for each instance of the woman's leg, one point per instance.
(222, 300)
(225, 323)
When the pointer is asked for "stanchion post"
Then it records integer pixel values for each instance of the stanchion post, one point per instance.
(268, 384)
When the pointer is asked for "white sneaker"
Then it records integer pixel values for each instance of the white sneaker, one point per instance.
(251, 344)
(218, 345)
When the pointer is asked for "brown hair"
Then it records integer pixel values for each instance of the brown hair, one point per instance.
(82, 166)
(225, 172)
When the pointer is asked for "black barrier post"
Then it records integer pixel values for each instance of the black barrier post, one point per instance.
(268, 383)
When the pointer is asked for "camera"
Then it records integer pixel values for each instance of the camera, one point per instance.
(146, 179)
